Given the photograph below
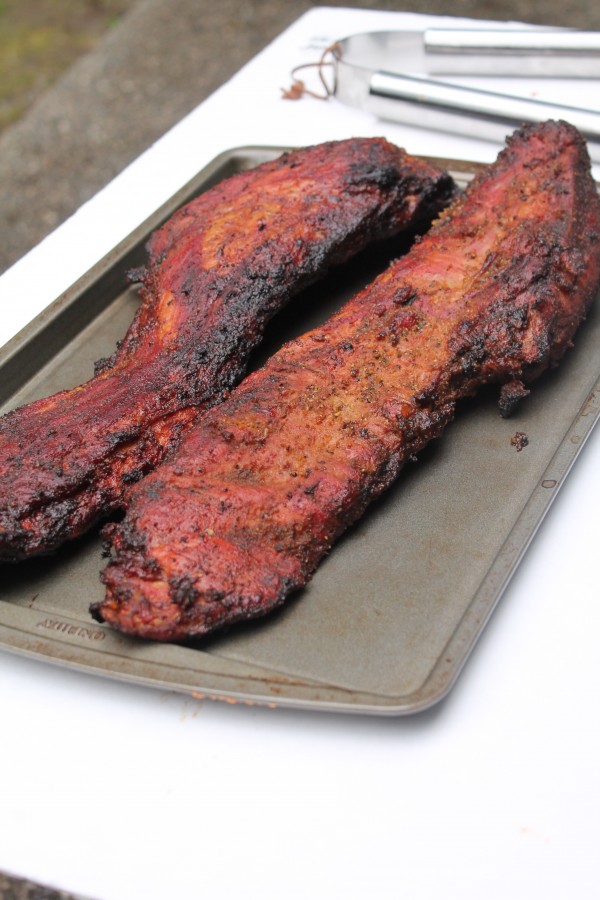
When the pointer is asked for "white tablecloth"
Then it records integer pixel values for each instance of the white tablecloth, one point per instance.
(120, 792)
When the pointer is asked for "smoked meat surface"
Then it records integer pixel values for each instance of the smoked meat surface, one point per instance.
(263, 485)
(217, 271)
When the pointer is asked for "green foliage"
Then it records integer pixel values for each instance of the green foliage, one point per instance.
(39, 39)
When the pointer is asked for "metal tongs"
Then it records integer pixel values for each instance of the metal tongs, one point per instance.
(388, 74)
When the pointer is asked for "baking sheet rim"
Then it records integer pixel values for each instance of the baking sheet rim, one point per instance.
(329, 698)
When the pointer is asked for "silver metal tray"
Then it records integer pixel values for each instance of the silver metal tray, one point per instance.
(392, 614)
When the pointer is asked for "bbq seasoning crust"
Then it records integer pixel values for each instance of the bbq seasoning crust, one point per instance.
(217, 271)
(263, 485)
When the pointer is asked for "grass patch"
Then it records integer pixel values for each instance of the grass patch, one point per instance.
(40, 39)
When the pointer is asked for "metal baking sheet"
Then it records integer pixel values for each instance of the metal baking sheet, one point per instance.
(393, 612)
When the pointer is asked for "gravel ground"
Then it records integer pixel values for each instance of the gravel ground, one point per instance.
(115, 101)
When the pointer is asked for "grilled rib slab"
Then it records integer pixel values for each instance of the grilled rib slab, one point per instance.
(261, 488)
(217, 271)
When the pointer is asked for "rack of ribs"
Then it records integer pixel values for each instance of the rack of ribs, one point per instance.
(262, 486)
(217, 271)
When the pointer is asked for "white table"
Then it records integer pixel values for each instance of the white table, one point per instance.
(120, 792)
